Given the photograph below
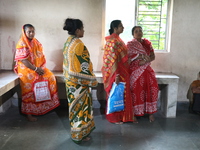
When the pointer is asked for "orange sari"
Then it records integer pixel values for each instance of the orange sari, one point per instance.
(115, 61)
(33, 52)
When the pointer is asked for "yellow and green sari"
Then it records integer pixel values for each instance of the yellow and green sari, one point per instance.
(79, 77)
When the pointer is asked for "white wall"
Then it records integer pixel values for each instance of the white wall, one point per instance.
(48, 18)
(184, 56)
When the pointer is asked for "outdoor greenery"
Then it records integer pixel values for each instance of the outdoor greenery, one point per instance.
(152, 16)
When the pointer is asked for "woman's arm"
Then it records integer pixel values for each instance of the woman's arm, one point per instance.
(149, 58)
(140, 56)
(28, 64)
(152, 56)
(39, 70)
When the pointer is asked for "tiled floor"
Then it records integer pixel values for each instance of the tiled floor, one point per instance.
(52, 132)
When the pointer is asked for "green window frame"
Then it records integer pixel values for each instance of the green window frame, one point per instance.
(153, 17)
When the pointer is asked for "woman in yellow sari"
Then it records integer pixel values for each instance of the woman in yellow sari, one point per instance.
(79, 77)
(30, 67)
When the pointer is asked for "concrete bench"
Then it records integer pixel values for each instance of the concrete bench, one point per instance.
(8, 86)
(168, 84)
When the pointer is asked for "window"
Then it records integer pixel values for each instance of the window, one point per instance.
(152, 15)
(123, 10)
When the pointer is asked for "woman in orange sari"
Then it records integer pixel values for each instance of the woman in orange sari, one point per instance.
(116, 69)
(30, 67)
(144, 86)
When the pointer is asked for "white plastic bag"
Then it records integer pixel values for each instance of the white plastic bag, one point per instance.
(41, 91)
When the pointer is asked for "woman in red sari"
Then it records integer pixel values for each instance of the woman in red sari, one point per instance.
(31, 67)
(116, 69)
(144, 87)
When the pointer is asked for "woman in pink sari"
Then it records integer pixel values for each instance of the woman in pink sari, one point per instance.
(144, 87)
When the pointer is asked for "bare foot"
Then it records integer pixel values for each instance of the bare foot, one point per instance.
(31, 118)
(135, 120)
(151, 118)
(86, 139)
(118, 122)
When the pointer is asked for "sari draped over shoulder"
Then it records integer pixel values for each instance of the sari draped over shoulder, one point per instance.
(144, 87)
(115, 62)
(79, 77)
(33, 52)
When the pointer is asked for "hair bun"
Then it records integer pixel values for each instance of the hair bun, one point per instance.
(71, 25)
(68, 25)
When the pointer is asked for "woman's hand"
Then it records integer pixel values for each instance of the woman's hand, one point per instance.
(39, 70)
(117, 79)
(142, 62)
(147, 58)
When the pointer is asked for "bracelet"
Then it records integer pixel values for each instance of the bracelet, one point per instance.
(35, 68)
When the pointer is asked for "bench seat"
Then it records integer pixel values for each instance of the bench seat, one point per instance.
(8, 80)
(168, 84)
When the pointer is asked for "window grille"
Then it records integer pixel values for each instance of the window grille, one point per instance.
(152, 16)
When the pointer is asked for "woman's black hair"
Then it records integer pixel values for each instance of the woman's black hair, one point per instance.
(114, 24)
(28, 26)
(133, 29)
(71, 25)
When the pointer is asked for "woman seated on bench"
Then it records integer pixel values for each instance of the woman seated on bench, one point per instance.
(30, 67)
(194, 95)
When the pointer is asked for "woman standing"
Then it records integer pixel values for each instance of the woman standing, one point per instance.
(144, 87)
(31, 67)
(116, 69)
(79, 77)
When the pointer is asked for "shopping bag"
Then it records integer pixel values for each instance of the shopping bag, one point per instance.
(41, 91)
(116, 98)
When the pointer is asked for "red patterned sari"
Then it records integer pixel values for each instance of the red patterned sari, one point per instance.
(33, 52)
(115, 61)
(144, 87)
